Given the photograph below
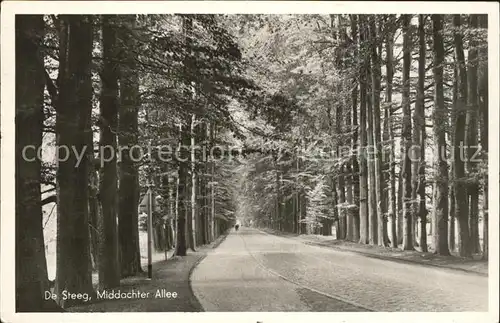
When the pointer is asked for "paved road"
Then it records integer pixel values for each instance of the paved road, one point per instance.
(255, 271)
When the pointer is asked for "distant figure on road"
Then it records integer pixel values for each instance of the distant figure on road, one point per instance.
(236, 226)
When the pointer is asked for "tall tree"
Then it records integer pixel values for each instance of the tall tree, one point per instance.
(31, 266)
(483, 110)
(389, 120)
(109, 270)
(418, 171)
(460, 113)
(363, 172)
(74, 108)
(193, 174)
(471, 141)
(355, 132)
(371, 149)
(182, 190)
(406, 137)
(379, 178)
(452, 213)
(128, 195)
(439, 116)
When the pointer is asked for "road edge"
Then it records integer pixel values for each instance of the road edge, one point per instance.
(216, 244)
(375, 256)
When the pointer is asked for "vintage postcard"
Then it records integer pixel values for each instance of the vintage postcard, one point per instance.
(249, 161)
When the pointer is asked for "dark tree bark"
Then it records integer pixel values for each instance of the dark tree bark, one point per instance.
(189, 120)
(439, 117)
(31, 266)
(451, 201)
(202, 191)
(193, 177)
(109, 267)
(182, 191)
(406, 137)
(340, 205)
(483, 110)
(418, 171)
(279, 209)
(460, 113)
(128, 228)
(399, 204)
(370, 155)
(377, 144)
(211, 190)
(471, 141)
(388, 117)
(355, 164)
(73, 119)
(451, 224)
(94, 207)
(363, 177)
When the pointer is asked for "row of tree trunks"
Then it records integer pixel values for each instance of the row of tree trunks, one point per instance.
(405, 205)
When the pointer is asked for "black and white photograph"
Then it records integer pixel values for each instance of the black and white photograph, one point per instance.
(250, 157)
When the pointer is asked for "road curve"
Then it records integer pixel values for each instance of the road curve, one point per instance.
(255, 271)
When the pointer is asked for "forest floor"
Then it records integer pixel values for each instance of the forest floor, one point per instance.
(475, 265)
(169, 276)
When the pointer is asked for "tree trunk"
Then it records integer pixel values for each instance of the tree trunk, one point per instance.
(182, 190)
(349, 223)
(363, 172)
(377, 144)
(483, 110)
(451, 201)
(372, 197)
(400, 219)
(418, 171)
(192, 218)
(341, 205)
(350, 201)
(165, 189)
(211, 222)
(128, 229)
(279, 211)
(354, 162)
(461, 197)
(172, 209)
(73, 118)
(439, 117)
(109, 270)
(388, 117)
(406, 138)
(94, 208)
(451, 224)
(31, 265)
(471, 141)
